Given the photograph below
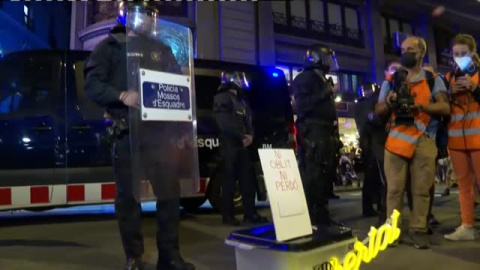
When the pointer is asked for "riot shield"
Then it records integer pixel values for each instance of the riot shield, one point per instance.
(162, 129)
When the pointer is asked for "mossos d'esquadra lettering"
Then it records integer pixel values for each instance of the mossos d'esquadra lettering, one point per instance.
(169, 88)
(208, 143)
(366, 250)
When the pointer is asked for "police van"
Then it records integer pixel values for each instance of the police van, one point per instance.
(55, 150)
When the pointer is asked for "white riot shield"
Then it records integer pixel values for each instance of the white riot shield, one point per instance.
(163, 128)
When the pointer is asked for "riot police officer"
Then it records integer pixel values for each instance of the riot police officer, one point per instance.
(234, 119)
(106, 84)
(316, 116)
(369, 125)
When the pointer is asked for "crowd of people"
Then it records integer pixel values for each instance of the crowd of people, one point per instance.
(422, 126)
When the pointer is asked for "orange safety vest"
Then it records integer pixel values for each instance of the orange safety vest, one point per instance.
(464, 127)
(403, 140)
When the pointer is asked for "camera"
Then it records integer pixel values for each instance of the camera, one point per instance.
(401, 106)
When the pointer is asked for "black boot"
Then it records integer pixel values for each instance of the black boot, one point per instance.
(174, 263)
(255, 219)
(230, 221)
(134, 264)
(370, 213)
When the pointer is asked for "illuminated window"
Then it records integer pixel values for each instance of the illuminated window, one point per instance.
(27, 16)
(334, 78)
(354, 83)
(298, 14)
(346, 83)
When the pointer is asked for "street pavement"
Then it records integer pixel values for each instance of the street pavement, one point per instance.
(87, 238)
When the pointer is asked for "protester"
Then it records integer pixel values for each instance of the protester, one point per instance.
(464, 138)
(410, 148)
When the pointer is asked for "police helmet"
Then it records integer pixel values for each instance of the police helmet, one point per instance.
(138, 16)
(322, 57)
(236, 77)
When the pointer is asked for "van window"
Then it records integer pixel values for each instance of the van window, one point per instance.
(87, 108)
(205, 88)
(267, 96)
(29, 87)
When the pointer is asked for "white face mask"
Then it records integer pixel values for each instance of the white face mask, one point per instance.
(463, 62)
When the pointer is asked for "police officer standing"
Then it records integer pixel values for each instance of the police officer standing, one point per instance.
(234, 119)
(106, 84)
(316, 116)
(368, 124)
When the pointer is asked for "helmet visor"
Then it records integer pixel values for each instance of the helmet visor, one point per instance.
(331, 61)
(141, 19)
(238, 78)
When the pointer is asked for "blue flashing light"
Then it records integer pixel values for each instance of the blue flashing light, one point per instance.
(275, 74)
(262, 230)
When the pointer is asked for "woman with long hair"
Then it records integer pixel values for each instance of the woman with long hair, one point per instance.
(464, 129)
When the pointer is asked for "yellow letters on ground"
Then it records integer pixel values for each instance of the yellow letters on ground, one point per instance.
(378, 240)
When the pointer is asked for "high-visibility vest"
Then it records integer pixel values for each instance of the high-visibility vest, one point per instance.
(464, 127)
(403, 140)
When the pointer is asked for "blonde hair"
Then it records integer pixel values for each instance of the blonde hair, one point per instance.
(469, 41)
(422, 44)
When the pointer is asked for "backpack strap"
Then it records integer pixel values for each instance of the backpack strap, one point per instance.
(448, 79)
(430, 80)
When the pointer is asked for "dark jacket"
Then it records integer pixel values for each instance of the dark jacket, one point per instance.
(106, 69)
(313, 97)
(476, 94)
(234, 117)
(371, 128)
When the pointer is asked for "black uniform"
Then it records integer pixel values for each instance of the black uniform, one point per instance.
(316, 116)
(372, 142)
(234, 119)
(106, 78)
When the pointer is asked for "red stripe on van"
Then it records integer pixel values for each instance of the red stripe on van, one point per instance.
(5, 196)
(76, 193)
(39, 195)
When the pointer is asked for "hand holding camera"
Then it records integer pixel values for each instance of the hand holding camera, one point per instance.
(391, 99)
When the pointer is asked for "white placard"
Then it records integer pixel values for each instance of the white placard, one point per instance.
(171, 93)
(285, 192)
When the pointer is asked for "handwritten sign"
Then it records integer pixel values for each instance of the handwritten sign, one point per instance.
(165, 96)
(285, 191)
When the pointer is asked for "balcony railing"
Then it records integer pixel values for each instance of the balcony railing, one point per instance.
(280, 18)
(299, 22)
(318, 26)
(336, 30)
(297, 26)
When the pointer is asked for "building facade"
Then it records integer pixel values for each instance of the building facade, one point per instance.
(30, 25)
(363, 33)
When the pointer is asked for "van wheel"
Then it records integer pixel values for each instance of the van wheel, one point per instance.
(215, 194)
(192, 204)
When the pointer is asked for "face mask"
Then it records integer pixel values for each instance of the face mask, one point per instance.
(463, 62)
(409, 59)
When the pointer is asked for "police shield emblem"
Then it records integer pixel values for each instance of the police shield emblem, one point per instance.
(156, 56)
